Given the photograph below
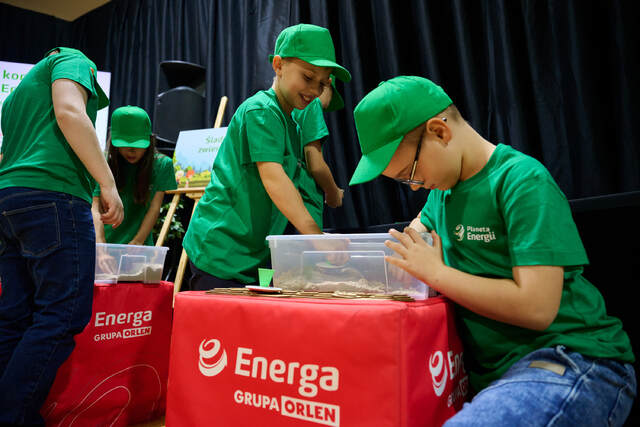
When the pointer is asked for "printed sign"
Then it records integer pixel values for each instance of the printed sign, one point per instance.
(194, 155)
(12, 73)
(239, 370)
(117, 373)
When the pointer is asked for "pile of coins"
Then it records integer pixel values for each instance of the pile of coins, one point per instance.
(309, 294)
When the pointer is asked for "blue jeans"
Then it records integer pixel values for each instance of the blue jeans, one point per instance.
(47, 267)
(553, 387)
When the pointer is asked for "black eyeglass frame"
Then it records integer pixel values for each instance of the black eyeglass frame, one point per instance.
(411, 181)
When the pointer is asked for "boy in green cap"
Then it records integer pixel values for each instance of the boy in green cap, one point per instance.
(539, 345)
(251, 193)
(47, 243)
(315, 180)
(142, 175)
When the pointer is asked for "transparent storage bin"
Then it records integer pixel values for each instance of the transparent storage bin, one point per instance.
(341, 262)
(129, 263)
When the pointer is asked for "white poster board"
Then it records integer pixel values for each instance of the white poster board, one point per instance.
(194, 155)
(11, 74)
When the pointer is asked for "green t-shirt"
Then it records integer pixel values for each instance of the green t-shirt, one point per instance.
(35, 152)
(311, 127)
(512, 213)
(162, 179)
(226, 235)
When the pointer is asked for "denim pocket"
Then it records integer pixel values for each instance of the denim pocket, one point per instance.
(36, 228)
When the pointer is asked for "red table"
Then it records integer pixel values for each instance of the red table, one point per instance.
(243, 360)
(117, 373)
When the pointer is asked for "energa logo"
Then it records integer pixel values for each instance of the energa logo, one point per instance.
(209, 350)
(438, 370)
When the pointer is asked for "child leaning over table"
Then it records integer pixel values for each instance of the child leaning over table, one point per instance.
(142, 176)
(251, 193)
(51, 154)
(539, 346)
(315, 180)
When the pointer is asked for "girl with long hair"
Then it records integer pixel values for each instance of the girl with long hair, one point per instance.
(142, 176)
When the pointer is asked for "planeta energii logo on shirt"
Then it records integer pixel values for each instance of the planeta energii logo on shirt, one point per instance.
(471, 233)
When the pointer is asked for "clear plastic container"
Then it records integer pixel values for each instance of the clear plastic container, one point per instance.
(341, 262)
(129, 263)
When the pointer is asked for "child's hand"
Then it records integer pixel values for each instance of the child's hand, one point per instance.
(106, 262)
(113, 212)
(335, 248)
(418, 258)
(334, 199)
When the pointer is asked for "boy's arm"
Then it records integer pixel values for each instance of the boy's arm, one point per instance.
(149, 219)
(286, 198)
(531, 300)
(417, 225)
(69, 106)
(322, 174)
(97, 222)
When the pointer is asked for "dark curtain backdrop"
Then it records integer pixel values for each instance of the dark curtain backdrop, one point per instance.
(556, 79)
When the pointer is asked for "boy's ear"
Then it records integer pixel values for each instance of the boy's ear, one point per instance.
(438, 128)
(277, 64)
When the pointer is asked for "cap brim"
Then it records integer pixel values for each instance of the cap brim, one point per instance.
(373, 164)
(338, 70)
(103, 100)
(138, 143)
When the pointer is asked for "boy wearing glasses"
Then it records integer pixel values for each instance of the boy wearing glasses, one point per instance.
(538, 342)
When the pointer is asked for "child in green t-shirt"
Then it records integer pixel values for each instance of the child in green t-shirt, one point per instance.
(539, 345)
(251, 193)
(51, 158)
(142, 176)
(315, 180)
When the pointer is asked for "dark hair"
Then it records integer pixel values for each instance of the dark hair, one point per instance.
(116, 162)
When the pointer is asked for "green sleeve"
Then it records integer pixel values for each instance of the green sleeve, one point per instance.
(540, 227)
(426, 217)
(164, 177)
(265, 136)
(311, 123)
(73, 67)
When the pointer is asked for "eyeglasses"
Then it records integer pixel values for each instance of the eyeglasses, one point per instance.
(411, 181)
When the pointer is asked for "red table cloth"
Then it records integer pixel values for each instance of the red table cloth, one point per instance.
(117, 373)
(249, 361)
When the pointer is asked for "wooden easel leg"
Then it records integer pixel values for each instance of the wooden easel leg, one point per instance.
(167, 220)
(182, 265)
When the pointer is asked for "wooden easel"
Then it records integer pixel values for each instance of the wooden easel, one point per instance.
(195, 194)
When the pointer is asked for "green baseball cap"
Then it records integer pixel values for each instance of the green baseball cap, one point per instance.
(130, 127)
(336, 99)
(386, 114)
(103, 100)
(311, 44)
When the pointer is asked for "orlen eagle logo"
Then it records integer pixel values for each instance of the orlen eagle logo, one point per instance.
(208, 352)
(438, 370)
